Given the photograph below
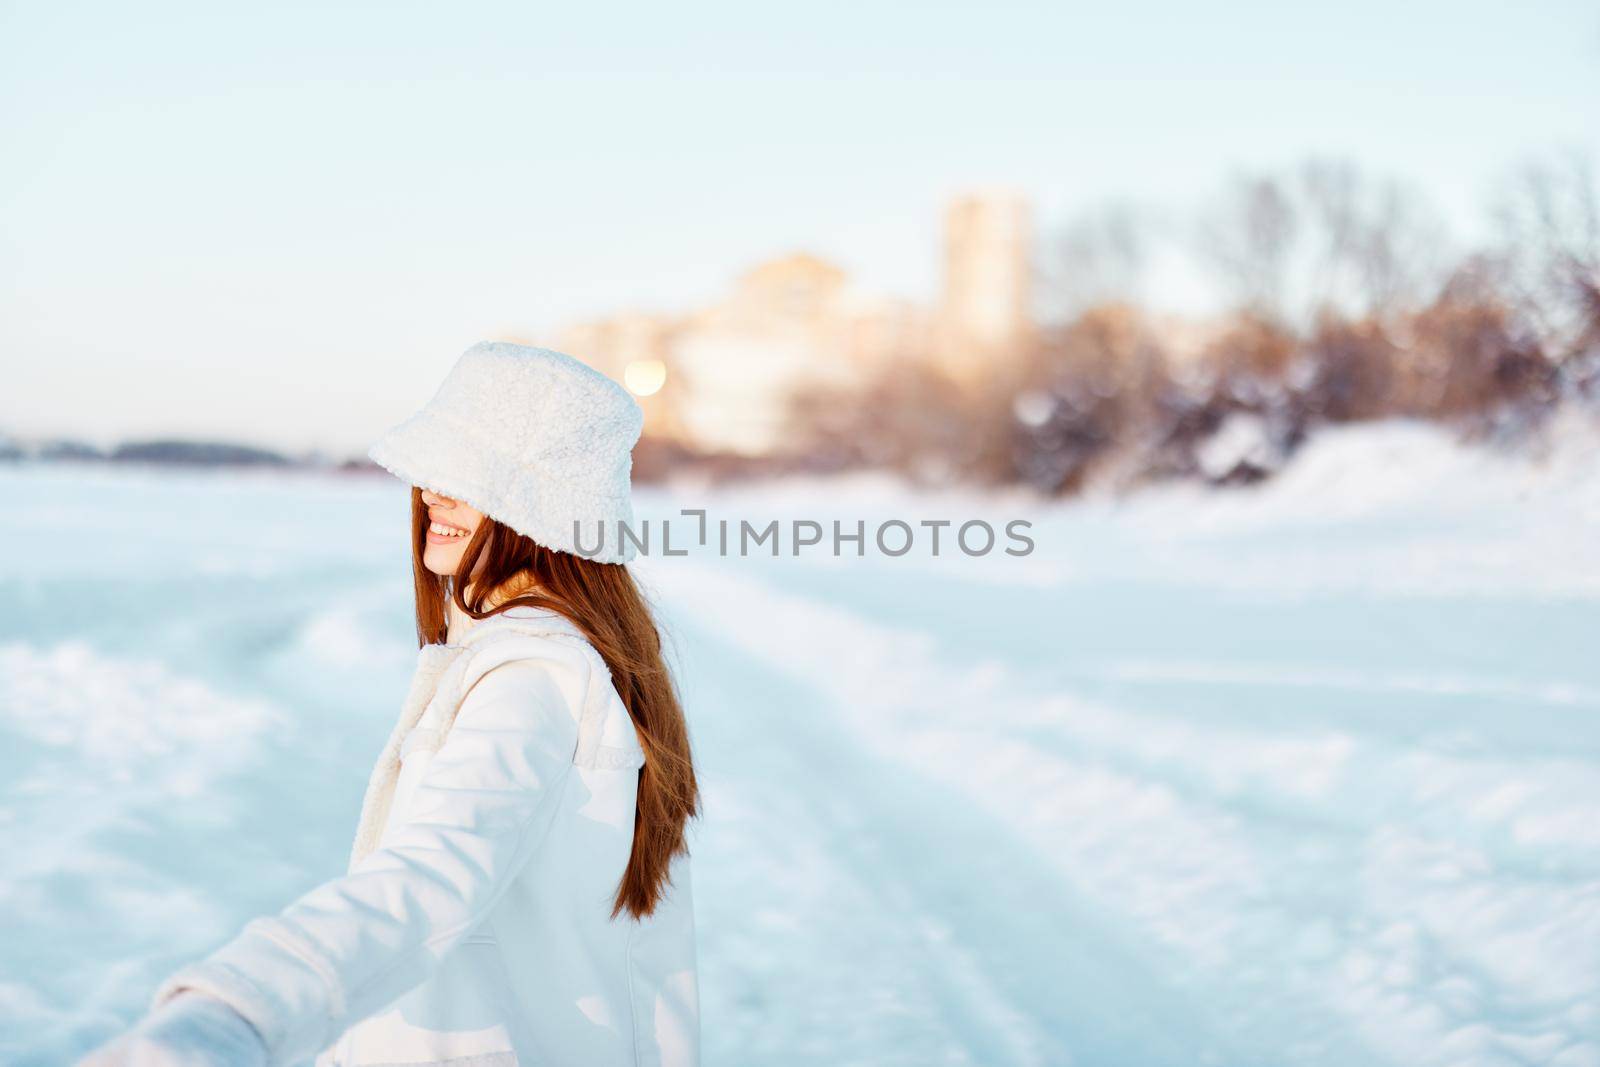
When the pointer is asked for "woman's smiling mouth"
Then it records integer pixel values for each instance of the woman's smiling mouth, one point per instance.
(440, 533)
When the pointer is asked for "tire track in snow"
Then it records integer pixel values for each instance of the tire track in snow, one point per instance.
(985, 939)
(811, 951)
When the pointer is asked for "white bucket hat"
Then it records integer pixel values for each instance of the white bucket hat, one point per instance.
(533, 438)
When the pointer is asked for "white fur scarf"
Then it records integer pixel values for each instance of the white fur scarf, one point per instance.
(435, 677)
(433, 660)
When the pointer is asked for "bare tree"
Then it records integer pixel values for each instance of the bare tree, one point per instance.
(1328, 242)
(1099, 258)
(1378, 249)
(1249, 236)
(1551, 253)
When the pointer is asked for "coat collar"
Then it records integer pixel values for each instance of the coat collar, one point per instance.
(469, 631)
(459, 624)
(434, 661)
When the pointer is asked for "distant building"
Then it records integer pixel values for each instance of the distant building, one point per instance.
(986, 309)
(720, 377)
(636, 349)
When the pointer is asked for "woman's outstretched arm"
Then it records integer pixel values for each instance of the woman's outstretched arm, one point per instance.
(352, 945)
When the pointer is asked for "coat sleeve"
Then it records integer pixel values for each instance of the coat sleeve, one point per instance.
(352, 945)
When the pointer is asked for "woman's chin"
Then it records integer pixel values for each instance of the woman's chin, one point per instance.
(441, 563)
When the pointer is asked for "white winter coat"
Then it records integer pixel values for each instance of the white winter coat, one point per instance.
(477, 933)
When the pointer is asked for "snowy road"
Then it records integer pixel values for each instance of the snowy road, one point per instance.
(1309, 775)
(1115, 884)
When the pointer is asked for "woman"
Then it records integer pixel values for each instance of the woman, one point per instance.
(519, 888)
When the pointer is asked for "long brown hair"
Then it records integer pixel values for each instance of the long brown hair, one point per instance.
(603, 601)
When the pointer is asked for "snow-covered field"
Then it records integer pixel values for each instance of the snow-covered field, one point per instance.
(1307, 773)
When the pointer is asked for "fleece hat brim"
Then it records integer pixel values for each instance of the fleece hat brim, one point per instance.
(533, 438)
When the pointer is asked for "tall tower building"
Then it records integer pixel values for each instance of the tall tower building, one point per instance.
(986, 312)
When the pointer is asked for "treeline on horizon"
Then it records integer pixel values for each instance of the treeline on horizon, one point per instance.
(1347, 302)
(164, 451)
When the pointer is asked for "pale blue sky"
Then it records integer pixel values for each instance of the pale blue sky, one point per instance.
(281, 222)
